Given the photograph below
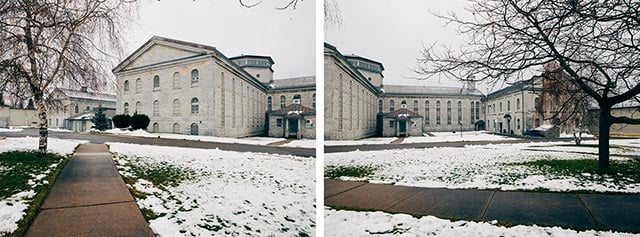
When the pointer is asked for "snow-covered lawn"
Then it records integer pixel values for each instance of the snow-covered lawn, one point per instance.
(352, 223)
(366, 141)
(248, 140)
(489, 167)
(221, 192)
(58, 130)
(18, 195)
(11, 129)
(302, 143)
(456, 137)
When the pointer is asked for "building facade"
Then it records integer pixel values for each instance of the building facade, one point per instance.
(74, 109)
(190, 88)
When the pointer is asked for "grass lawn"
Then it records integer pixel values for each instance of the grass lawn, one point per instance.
(25, 180)
(622, 172)
(357, 171)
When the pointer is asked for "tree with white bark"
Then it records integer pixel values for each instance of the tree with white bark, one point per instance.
(596, 43)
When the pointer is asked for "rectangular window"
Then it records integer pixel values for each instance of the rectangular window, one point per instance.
(309, 123)
(279, 122)
(390, 124)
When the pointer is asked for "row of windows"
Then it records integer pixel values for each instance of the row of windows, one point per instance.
(360, 105)
(283, 101)
(195, 107)
(193, 128)
(492, 108)
(195, 78)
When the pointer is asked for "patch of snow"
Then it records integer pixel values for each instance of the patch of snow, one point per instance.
(303, 143)
(365, 141)
(234, 193)
(12, 209)
(58, 130)
(484, 167)
(58, 146)
(457, 137)
(352, 223)
(248, 140)
(11, 129)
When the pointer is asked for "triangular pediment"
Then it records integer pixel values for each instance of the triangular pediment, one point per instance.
(160, 50)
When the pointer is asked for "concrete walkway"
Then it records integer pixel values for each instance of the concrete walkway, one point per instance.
(89, 198)
(619, 212)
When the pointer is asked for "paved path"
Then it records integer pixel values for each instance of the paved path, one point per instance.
(89, 198)
(99, 138)
(376, 147)
(618, 212)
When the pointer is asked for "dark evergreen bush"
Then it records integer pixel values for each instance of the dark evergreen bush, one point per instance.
(139, 121)
(121, 120)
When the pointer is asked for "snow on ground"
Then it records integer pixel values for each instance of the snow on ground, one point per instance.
(352, 223)
(484, 167)
(12, 208)
(248, 140)
(233, 194)
(58, 130)
(456, 137)
(11, 129)
(366, 141)
(303, 143)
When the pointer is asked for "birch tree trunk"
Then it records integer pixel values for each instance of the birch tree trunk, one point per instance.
(42, 124)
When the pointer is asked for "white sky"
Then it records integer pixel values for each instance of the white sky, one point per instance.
(287, 36)
(393, 33)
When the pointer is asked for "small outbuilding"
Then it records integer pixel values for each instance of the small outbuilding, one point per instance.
(402, 123)
(294, 121)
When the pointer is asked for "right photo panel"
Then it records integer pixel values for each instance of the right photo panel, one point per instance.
(481, 118)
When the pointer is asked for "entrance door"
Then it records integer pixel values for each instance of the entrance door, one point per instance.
(403, 127)
(293, 127)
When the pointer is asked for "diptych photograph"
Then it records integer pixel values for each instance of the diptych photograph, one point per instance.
(319, 118)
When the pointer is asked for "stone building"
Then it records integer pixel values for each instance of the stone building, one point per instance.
(190, 88)
(294, 120)
(512, 109)
(359, 104)
(73, 109)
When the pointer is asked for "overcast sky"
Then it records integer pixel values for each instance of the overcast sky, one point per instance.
(285, 35)
(393, 32)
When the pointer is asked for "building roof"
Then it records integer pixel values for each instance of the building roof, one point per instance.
(528, 85)
(353, 56)
(294, 110)
(429, 90)
(76, 94)
(295, 82)
(356, 72)
(254, 56)
(402, 113)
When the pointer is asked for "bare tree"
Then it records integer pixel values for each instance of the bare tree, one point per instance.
(596, 43)
(50, 44)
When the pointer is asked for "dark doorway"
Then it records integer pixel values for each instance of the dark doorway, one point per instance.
(402, 127)
(293, 127)
(194, 129)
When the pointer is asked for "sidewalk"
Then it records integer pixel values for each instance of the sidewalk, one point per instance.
(619, 212)
(89, 198)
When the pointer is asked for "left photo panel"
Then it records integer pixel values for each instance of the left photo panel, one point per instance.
(157, 118)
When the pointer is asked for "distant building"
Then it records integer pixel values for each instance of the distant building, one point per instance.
(190, 88)
(629, 109)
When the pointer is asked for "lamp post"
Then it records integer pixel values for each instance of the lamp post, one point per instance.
(460, 122)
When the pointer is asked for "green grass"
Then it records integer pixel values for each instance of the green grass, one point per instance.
(15, 173)
(621, 171)
(358, 171)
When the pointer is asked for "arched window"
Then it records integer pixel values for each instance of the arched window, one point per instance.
(176, 107)
(478, 110)
(449, 112)
(283, 101)
(195, 77)
(473, 119)
(138, 85)
(379, 106)
(77, 109)
(176, 128)
(415, 106)
(426, 112)
(125, 108)
(314, 101)
(508, 105)
(437, 112)
(176, 80)
(126, 86)
(195, 108)
(156, 108)
(403, 104)
(88, 108)
(297, 99)
(392, 105)
(156, 82)
(138, 107)
(517, 104)
(156, 127)
(500, 106)
(194, 129)
(269, 103)
(459, 112)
